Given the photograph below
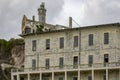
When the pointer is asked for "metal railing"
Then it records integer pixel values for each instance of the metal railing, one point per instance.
(70, 67)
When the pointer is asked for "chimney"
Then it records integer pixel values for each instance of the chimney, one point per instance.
(70, 22)
(33, 18)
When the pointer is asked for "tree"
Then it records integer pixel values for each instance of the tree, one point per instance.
(10, 44)
(39, 28)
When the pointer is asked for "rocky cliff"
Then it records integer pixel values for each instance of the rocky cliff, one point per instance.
(11, 54)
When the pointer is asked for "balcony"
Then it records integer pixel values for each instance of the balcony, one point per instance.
(82, 67)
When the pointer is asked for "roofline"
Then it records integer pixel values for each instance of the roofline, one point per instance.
(46, 23)
(92, 26)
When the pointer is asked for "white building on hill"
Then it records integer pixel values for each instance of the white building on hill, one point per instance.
(61, 53)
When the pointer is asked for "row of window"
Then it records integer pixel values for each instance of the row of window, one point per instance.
(106, 39)
(90, 60)
(61, 63)
(75, 61)
(61, 41)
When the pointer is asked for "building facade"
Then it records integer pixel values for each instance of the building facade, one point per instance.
(84, 53)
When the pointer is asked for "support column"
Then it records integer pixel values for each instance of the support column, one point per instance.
(65, 75)
(18, 77)
(78, 75)
(119, 74)
(52, 75)
(106, 74)
(28, 76)
(40, 76)
(92, 74)
(12, 77)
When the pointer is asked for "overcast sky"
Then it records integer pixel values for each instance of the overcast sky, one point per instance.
(84, 12)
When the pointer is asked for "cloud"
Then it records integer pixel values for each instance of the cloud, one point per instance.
(101, 12)
(84, 12)
(71, 8)
(12, 11)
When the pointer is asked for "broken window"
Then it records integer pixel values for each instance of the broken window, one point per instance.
(27, 30)
(75, 61)
(106, 58)
(47, 43)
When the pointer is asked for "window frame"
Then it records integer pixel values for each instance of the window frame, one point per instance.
(106, 58)
(75, 78)
(61, 62)
(76, 41)
(75, 61)
(47, 44)
(89, 77)
(27, 30)
(34, 64)
(61, 43)
(34, 44)
(61, 78)
(47, 63)
(106, 38)
(90, 60)
(90, 40)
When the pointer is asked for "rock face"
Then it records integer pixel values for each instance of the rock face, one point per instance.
(16, 58)
(17, 54)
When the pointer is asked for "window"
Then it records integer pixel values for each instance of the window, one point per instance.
(34, 45)
(33, 64)
(89, 77)
(27, 30)
(104, 77)
(61, 42)
(90, 60)
(45, 78)
(15, 77)
(75, 78)
(106, 58)
(75, 41)
(106, 38)
(47, 43)
(47, 63)
(61, 62)
(90, 39)
(75, 61)
(60, 78)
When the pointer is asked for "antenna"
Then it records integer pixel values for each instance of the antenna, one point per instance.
(75, 22)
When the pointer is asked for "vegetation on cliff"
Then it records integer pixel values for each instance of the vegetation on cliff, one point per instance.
(6, 46)
(6, 55)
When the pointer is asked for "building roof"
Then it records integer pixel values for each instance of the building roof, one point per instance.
(67, 29)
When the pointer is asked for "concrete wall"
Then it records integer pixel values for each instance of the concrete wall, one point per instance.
(68, 52)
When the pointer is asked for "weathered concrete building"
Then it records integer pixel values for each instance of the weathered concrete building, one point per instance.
(63, 53)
